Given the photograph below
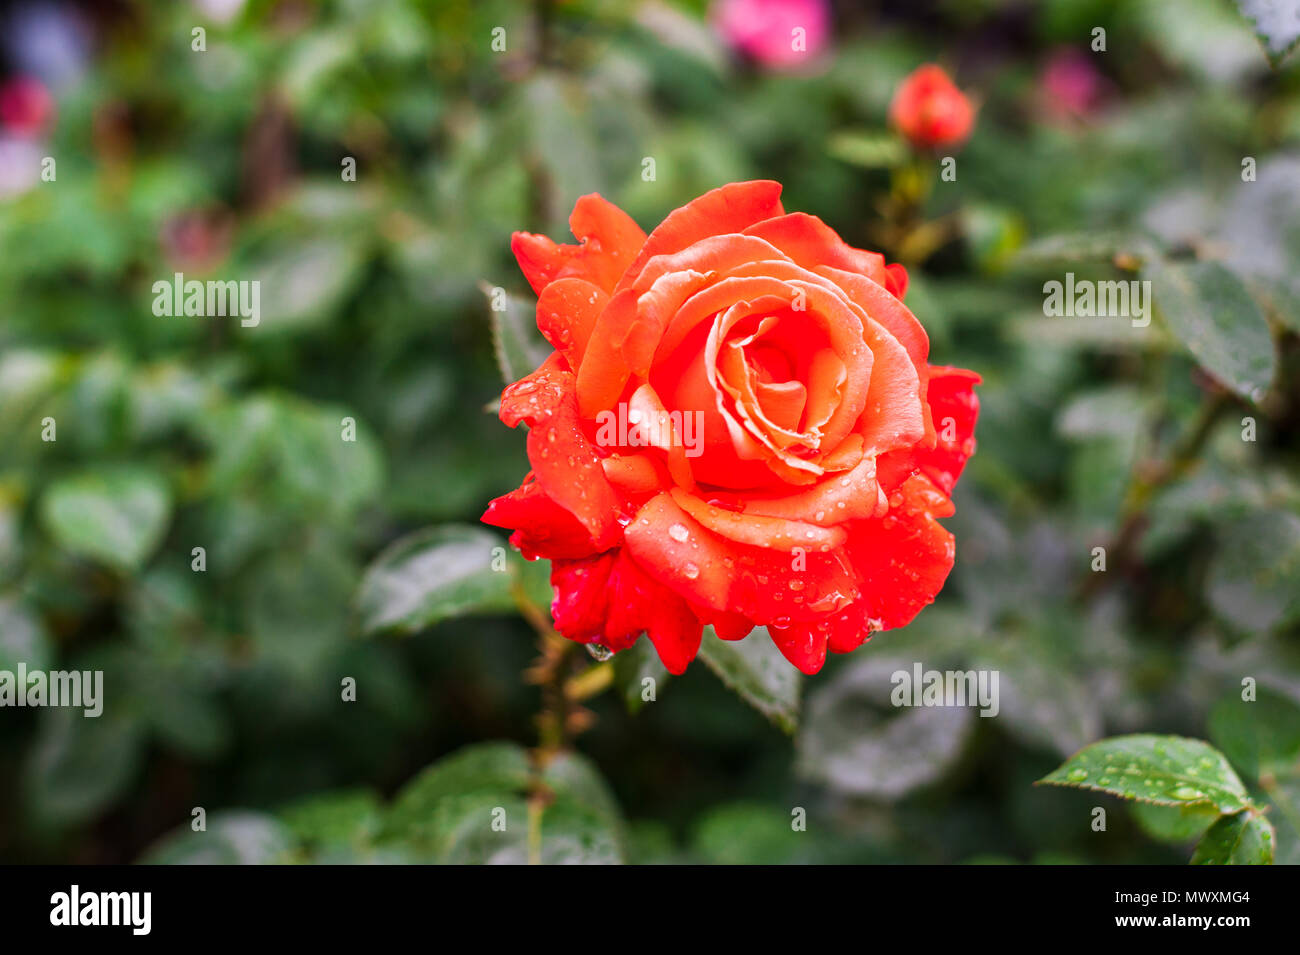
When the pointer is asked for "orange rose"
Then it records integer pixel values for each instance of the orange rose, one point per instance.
(738, 427)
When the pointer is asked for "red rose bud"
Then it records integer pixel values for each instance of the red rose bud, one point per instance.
(930, 111)
(26, 106)
(738, 426)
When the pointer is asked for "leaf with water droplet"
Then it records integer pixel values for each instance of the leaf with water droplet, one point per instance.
(1209, 310)
(1244, 838)
(1155, 769)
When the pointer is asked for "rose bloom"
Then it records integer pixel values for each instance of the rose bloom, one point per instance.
(783, 447)
(930, 111)
(764, 29)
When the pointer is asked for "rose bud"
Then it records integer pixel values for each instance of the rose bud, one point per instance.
(738, 426)
(930, 111)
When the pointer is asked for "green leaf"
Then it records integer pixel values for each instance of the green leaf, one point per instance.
(1045, 695)
(1209, 310)
(568, 835)
(520, 347)
(749, 834)
(1165, 770)
(582, 797)
(473, 807)
(993, 234)
(496, 769)
(81, 764)
(754, 668)
(1175, 824)
(575, 777)
(1243, 838)
(293, 453)
(632, 668)
(316, 466)
(27, 379)
(855, 740)
(1259, 234)
(305, 282)
(116, 516)
(1260, 736)
(23, 638)
(1254, 579)
(230, 838)
(1084, 247)
(1277, 24)
(433, 574)
(346, 817)
(878, 150)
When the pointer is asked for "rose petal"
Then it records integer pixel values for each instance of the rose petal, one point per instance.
(885, 308)
(812, 243)
(567, 310)
(564, 460)
(903, 558)
(634, 475)
(713, 254)
(610, 240)
(773, 533)
(541, 527)
(638, 603)
(838, 498)
(954, 407)
(655, 428)
(803, 644)
(674, 549)
(761, 584)
(952, 396)
(536, 395)
(729, 208)
(730, 457)
(604, 372)
(581, 596)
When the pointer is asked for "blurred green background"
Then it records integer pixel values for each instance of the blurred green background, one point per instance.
(223, 687)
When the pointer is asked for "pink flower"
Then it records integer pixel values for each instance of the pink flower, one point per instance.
(1070, 85)
(776, 33)
(26, 106)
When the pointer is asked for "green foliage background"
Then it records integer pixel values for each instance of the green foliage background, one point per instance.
(222, 688)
